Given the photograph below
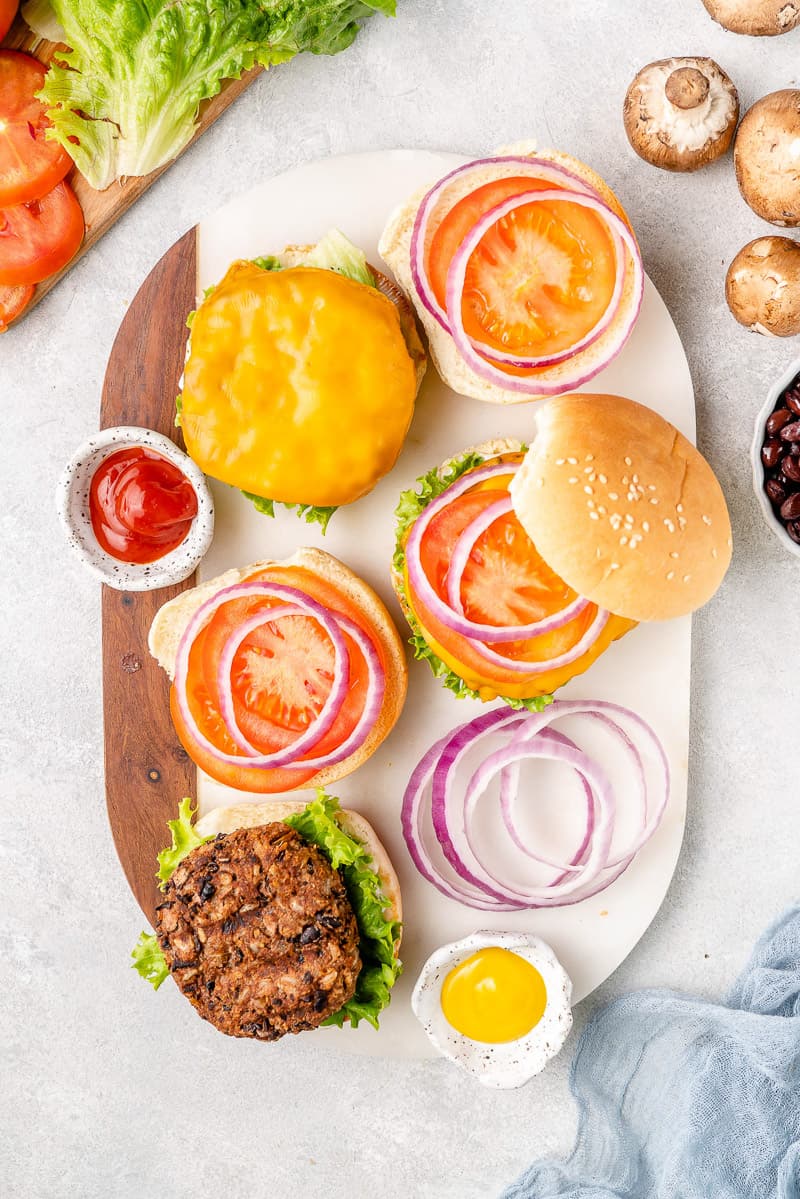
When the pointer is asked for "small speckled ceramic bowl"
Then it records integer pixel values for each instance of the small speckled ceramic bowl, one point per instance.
(758, 470)
(72, 498)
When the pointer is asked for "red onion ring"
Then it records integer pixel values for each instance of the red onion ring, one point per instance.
(537, 168)
(521, 666)
(593, 867)
(428, 596)
(327, 714)
(297, 602)
(457, 273)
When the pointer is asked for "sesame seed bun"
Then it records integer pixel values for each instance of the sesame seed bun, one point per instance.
(623, 507)
(172, 619)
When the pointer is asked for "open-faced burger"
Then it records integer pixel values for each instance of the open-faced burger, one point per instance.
(284, 674)
(517, 568)
(523, 270)
(276, 918)
(301, 378)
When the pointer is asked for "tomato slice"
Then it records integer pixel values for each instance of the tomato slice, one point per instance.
(39, 238)
(281, 678)
(30, 165)
(8, 10)
(505, 581)
(539, 280)
(13, 300)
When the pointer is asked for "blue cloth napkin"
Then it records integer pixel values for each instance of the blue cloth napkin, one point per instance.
(679, 1098)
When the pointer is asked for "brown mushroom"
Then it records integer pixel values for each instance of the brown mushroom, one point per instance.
(767, 157)
(758, 18)
(763, 286)
(681, 113)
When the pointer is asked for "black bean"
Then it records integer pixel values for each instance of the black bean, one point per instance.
(309, 934)
(208, 890)
(330, 921)
(777, 420)
(775, 492)
(791, 432)
(771, 453)
(790, 508)
(320, 999)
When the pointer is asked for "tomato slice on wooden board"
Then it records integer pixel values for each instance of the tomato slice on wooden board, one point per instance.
(30, 164)
(281, 678)
(13, 301)
(38, 239)
(540, 279)
(8, 10)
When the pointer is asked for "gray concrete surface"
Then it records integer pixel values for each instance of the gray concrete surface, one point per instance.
(105, 1093)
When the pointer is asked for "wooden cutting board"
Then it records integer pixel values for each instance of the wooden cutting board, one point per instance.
(102, 209)
(147, 770)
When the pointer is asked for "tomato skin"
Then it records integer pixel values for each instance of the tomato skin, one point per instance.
(30, 164)
(13, 301)
(8, 10)
(265, 734)
(40, 238)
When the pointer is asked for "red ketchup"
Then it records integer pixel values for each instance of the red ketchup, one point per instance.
(140, 504)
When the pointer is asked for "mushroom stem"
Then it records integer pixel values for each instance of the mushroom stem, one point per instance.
(687, 88)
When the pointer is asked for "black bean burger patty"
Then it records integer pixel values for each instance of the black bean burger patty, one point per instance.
(259, 934)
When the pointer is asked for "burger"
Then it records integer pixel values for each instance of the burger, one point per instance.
(517, 567)
(301, 377)
(283, 674)
(276, 918)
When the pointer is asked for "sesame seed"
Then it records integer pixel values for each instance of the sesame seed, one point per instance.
(674, 554)
(560, 461)
(588, 470)
(602, 478)
(679, 508)
(623, 540)
(572, 461)
(628, 462)
(592, 477)
(682, 521)
(706, 520)
(713, 553)
(615, 521)
(572, 479)
(612, 495)
(625, 480)
(589, 490)
(590, 503)
(653, 500)
(614, 566)
(646, 526)
(590, 457)
(593, 516)
(670, 574)
(636, 478)
(651, 487)
(598, 553)
(601, 509)
(669, 525)
(686, 578)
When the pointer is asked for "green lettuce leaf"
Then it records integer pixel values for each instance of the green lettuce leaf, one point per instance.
(149, 961)
(337, 253)
(380, 968)
(184, 840)
(124, 97)
(309, 513)
(410, 504)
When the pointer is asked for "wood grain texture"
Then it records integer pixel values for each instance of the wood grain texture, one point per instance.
(147, 771)
(102, 209)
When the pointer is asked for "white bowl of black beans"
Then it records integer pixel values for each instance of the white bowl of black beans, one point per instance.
(776, 459)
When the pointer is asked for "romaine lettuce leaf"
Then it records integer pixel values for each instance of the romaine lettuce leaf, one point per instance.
(149, 960)
(309, 513)
(124, 98)
(337, 253)
(380, 967)
(184, 840)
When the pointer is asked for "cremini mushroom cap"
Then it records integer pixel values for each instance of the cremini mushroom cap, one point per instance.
(763, 286)
(681, 113)
(767, 157)
(758, 18)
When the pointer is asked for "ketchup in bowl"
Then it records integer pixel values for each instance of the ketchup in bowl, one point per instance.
(141, 505)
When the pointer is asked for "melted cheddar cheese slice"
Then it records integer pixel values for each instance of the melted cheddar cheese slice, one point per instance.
(298, 387)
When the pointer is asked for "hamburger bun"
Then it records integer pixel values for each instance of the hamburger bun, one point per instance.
(395, 249)
(172, 619)
(623, 507)
(227, 820)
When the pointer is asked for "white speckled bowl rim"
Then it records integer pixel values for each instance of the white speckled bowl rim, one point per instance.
(500, 1061)
(72, 500)
(772, 522)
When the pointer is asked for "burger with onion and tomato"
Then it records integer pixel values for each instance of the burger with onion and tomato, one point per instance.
(523, 270)
(276, 918)
(284, 674)
(517, 568)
